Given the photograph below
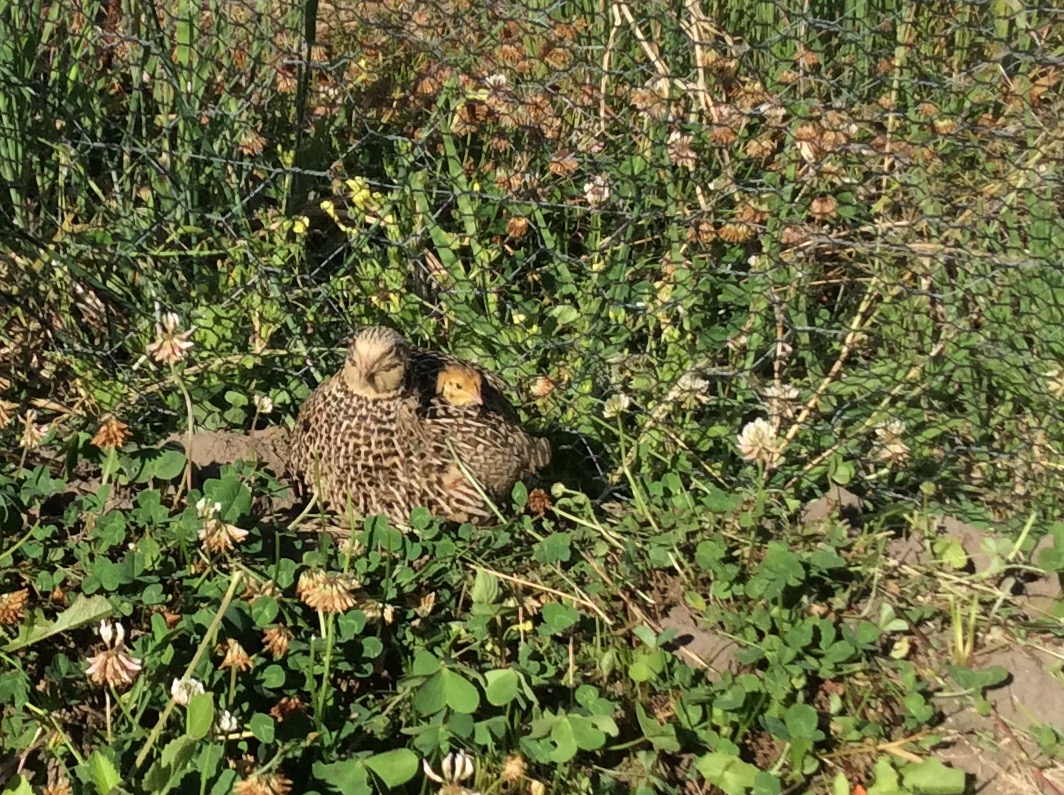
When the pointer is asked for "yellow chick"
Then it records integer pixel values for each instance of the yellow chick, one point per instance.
(460, 385)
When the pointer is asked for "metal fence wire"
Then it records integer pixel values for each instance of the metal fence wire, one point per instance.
(659, 221)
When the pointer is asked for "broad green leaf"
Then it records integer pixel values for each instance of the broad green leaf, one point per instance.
(348, 777)
(932, 777)
(103, 773)
(585, 733)
(565, 746)
(83, 611)
(394, 767)
(168, 464)
(200, 716)
(729, 773)
(555, 548)
(264, 610)
(262, 726)
(886, 779)
(661, 736)
(646, 665)
(502, 686)
(519, 495)
(431, 696)
(801, 721)
(564, 314)
(485, 590)
(273, 677)
(765, 784)
(18, 786)
(232, 493)
(558, 617)
(425, 663)
(950, 552)
(176, 754)
(461, 695)
(978, 679)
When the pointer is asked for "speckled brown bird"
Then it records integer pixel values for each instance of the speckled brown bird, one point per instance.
(465, 417)
(350, 445)
(386, 433)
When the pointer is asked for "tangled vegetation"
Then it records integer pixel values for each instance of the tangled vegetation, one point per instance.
(783, 291)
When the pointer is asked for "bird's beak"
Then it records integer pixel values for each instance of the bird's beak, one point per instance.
(365, 366)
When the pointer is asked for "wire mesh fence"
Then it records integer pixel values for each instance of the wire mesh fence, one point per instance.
(659, 221)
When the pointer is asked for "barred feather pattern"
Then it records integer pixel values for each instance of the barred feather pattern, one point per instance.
(347, 450)
(387, 453)
(487, 439)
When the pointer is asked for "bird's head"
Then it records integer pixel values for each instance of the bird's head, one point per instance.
(376, 362)
(460, 385)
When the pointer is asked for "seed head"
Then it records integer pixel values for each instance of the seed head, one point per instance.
(235, 657)
(328, 593)
(823, 207)
(275, 641)
(263, 784)
(113, 666)
(12, 607)
(170, 345)
(111, 434)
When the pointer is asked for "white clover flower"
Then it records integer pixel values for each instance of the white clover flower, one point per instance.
(112, 634)
(182, 690)
(597, 190)
(205, 509)
(113, 667)
(225, 722)
(757, 442)
(215, 535)
(616, 405)
(170, 345)
(263, 404)
(781, 400)
(690, 390)
(889, 443)
(455, 768)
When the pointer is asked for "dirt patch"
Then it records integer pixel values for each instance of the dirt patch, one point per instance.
(1036, 594)
(1034, 693)
(216, 448)
(837, 502)
(1000, 759)
(995, 749)
(697, 645)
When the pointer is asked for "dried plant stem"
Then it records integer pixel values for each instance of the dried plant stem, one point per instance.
(861, 319)
(580, 600)
(615, 26)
